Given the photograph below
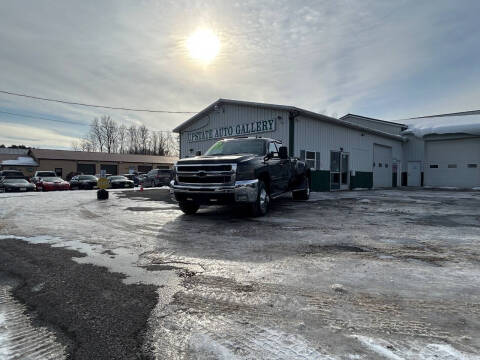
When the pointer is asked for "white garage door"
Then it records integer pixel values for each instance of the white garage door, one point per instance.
(454, 163)
(382, 166)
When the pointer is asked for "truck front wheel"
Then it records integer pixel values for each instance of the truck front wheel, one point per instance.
(261, 205)
(188, 207)
(302, 194)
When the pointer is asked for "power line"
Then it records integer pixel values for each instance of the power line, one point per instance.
(96, 106)
(61, 121)
(42, 118)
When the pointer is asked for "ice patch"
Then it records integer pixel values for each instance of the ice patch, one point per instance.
(205, 347)
(365, 201)
(413, 350)
(379, 347)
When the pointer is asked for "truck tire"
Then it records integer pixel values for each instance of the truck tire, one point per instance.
(302, 194)
(188, 207)
(261, 205)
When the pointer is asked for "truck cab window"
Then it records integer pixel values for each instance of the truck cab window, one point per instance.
(272, 148)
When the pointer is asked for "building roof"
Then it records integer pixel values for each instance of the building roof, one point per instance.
(373, 120)
(299, 111)
(10, 151)
(20, 161)
(467, 122)
(100, 156)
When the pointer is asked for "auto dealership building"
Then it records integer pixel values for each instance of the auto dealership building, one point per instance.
(346, 153)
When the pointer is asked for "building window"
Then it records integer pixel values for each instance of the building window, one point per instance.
(433, 166)
(472, 166)
(452, 166)
(379, 164)
(59, 172)
(311, 158)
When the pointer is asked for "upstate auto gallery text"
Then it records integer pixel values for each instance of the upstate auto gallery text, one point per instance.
(237, 130)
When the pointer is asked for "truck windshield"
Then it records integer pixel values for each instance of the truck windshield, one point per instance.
(239, 146)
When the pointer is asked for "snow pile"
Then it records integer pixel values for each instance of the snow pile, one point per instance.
(20, 161)
(466, 124)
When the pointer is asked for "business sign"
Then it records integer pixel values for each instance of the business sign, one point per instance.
(250, 128)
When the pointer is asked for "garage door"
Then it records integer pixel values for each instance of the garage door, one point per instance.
(382, 166)
(452, 163)
(86, 169)
(110, 169)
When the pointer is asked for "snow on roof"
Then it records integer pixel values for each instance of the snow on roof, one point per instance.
(458, 123)
(21, 161)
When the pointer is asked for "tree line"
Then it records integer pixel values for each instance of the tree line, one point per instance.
(106, 135)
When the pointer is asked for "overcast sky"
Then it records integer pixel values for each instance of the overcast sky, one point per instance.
(384, 59)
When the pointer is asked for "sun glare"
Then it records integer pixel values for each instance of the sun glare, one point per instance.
(203, 45)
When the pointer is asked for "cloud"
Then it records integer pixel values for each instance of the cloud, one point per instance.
(384, 59)
(32, 136)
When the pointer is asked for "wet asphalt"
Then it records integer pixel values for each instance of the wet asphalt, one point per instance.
(92, 312)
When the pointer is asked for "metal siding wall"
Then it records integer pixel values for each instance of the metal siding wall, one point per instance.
(232, 115)
(391, 129)
(316, 135)
(413, 150)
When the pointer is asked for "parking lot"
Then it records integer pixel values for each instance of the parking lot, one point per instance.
(386, 274)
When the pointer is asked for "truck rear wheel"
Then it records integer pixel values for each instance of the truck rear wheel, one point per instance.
(261, 205)
(189, 207)
(302, 194)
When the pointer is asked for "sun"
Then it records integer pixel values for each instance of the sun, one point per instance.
(203, 45)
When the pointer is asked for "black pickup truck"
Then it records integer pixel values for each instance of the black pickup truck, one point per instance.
(239, 170)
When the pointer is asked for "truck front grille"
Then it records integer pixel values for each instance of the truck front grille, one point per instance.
(205, 180)
(206, 174)
(193, 168)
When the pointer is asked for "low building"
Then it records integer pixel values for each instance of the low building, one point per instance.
(451, 148)
(17, 159)
(65, 162)
(341, 154)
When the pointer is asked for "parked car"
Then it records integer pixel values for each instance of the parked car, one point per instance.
(119, 181)
(158, 177)
(42, 174)
(83, 182)
(52, 184)
(13, 174)
(133, 177)
(8, 184)
(241, 170)
(141, 178)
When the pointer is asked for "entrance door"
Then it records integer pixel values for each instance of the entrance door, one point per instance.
(344, 171)
(414, 173)
(339, 171)
(335, 170)
(382, 166)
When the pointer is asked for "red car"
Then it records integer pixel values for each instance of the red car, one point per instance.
(52, 184)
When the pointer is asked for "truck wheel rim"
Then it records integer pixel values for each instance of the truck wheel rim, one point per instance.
(263, 199)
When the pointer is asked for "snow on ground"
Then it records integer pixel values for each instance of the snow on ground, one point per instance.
(346, 275)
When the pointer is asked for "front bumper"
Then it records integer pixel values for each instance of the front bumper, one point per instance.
(244, 191)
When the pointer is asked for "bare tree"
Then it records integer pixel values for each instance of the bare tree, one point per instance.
(109, 131)
(106, 135)
(122, 138)
(143, 137)
(76, 145)
(132, 139)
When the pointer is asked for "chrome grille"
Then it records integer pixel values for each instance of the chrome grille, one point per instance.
(205, 174)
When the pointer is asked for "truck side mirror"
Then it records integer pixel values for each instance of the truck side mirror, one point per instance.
(198, 153)
(283, 152)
